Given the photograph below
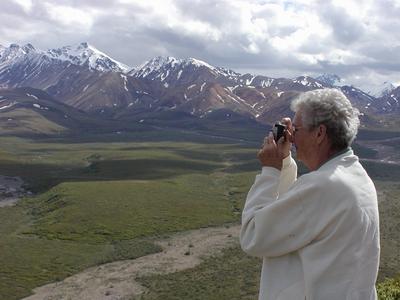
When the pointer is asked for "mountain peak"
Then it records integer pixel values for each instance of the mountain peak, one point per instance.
(380, 90)
(163, 66)
(28, 47)
(16, 52)
(86, 54)
(159, 61)
(84, 44)
(309, 81)
(155, 65)
(330, 79)
(199, 63)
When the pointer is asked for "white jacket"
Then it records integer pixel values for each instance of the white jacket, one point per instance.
(318, 235)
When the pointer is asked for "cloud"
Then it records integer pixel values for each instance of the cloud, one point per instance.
(26, 5)
(265, 37)
(70, 18)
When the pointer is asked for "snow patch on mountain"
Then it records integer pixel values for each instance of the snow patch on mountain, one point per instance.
(267, 83)
(8, 105)
(2, 49)
(307, 81)
(125, 80)
(249, 81)
(32, 96)
(40, 107)
(198, 63)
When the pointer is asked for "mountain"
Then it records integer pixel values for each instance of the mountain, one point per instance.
(380, 90)
(27, 111)
(18, 64)
(330, 79)
(27, 66)
(68, 73)
(84, 78)
(198, 88)
(364, 102)
(391, 101)
(87, 55)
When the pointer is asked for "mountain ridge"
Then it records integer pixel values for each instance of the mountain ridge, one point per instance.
(166, 84)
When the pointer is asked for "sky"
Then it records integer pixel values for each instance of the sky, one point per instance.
(358, 40)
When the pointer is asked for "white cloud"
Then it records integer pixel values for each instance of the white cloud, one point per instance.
(70, 16)
(25, 4)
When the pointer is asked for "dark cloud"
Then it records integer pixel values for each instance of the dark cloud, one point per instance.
(345, 28)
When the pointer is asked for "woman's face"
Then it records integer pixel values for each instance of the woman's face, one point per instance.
(304, 140)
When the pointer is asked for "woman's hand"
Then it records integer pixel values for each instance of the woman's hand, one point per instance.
(272, 153)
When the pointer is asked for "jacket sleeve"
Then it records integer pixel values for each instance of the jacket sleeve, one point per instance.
(288, 174)
(275, 225)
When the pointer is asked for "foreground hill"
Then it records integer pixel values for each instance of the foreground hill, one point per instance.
(28, 111)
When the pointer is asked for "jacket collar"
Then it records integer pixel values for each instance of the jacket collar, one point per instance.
(346, 153)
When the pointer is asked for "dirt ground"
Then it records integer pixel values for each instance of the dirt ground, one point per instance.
(116, 280)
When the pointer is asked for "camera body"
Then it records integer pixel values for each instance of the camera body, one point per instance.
(278, 130)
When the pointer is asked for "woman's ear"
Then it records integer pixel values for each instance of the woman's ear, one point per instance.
(321, 133)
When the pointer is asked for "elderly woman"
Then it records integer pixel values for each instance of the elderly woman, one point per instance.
(318, 235)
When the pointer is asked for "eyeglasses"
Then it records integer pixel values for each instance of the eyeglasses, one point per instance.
(296, 128)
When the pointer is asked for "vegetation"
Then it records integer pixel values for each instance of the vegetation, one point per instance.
(98, 212)
(230, 276)
(101, 202)
(389, 289)
(234, 275)
(389, 210)
(101, 198)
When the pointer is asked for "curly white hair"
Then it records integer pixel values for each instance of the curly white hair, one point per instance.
(331, 108)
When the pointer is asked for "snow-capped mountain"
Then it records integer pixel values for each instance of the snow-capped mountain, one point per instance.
(70, 69)
(391, 101)
(173, 71)
(361, 100)
(85, 78)
(330, 79)
(19, 65)
(199, 88)
(381, 90)
(84, 54)
(14, 54)
(26, 63)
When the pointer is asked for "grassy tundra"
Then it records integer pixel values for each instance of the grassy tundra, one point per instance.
(98, 200)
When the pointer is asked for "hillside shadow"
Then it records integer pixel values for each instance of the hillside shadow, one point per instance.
(41, 177)
(382, 171)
